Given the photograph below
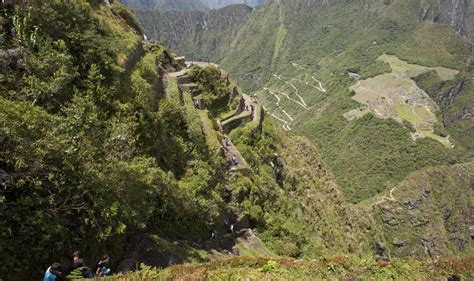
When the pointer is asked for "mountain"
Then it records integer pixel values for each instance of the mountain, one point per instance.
(307, 42)
(166, 5)
(335, 164)
(186, 5)
(217, 4)
(194, 29)
(381, 99)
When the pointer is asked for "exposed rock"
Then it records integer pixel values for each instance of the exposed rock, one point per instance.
(452, 12)
(411, 203)
(449, 97)
(465, 113)
(454, 277)
(181, 30)
(13, 59)
(426, 192)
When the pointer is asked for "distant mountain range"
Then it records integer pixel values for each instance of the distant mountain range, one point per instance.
(186, 5)
(216, 4)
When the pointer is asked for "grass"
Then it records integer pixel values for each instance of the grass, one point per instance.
(341, 267)
(212, 137)
(173, 90)
(125, 37)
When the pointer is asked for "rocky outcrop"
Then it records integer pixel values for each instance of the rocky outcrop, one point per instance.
(453, 12)
(427, 219)
(449, 97)
(13, 59)
(465, 113)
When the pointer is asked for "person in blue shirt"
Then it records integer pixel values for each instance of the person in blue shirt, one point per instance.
(53, 273)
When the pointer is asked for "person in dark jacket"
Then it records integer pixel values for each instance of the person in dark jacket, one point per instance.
(103, 268)
(79, 264)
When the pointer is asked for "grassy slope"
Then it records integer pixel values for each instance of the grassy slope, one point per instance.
(340, 268)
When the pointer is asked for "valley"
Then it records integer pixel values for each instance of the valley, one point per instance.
(209, 140)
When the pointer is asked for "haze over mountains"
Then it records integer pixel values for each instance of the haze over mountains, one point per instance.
(186, 5)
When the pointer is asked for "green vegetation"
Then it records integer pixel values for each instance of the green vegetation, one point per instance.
(320, 269)
(438, 216)
(366, 155)
(212, 87)
(97, 155)
(90, 152)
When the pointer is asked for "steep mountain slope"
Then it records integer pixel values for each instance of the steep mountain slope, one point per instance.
(104, 150)
(302, 58)
(108, 144)
(196, 31)
(429, 213)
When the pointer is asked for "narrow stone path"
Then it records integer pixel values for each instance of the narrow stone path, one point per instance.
(234, 158)
(232, 154)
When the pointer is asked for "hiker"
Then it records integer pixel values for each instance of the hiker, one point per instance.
(53, 273)
(213, 234)
(79, 265)
(234, 160)
(103, 268)
(229, 225)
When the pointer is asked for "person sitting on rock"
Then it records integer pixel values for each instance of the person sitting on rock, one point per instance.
(103, 268)
(53, 273)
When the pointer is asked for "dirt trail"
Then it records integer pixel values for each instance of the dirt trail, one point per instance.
(384, 198)
(285, 125)
(320, 88)
(302, 103)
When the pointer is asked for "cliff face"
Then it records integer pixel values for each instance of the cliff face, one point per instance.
(425, 217)
(457, 13)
